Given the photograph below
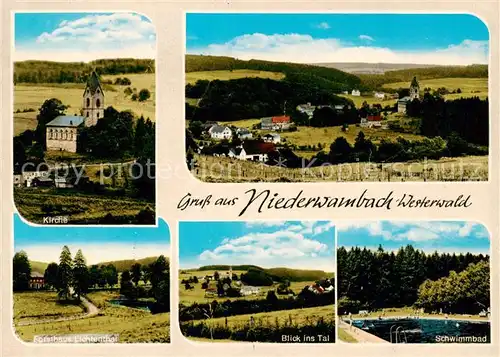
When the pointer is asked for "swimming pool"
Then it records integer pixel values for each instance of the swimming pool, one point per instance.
(427, 330)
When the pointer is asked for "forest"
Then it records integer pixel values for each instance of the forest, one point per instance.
(77, 72)
(409, 277)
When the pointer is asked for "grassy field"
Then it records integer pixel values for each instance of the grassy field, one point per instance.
(358, 100)
(299, 317)
(32, 97)
(470, 87)
(35, 203)
(192, 77)
(219, 169)
(132, 325)
(34, 305)
(345, 337)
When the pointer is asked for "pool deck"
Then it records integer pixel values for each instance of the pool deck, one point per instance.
(406, 317)
(360, 335)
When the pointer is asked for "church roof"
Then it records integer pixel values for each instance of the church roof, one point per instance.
(93, 83)
(67, 120)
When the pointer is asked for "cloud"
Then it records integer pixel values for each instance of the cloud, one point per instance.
(96, 253)
(292, 245)
(265, 223)
(323, 26)
(366, 38)
(116, 35)
(303, 48)
(415, 231)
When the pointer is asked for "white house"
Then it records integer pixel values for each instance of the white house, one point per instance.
(356, 92)
(241, 154)
(29, 176)
(220, 132)
(249, 290)
(243, 133)
(272, 138)
(379, 95)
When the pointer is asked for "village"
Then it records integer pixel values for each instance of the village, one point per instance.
(259, 142)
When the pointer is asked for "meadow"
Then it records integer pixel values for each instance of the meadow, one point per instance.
(470, 87)
(132, 325)
(192, 77)
(359, 100)
(220, 169)
(35, 203)
(35, 305)
(32, 96)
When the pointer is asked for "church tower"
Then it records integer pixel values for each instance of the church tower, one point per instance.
(93, 101)
(414, 89)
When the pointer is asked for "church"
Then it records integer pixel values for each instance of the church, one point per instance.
(62, 132)
(414, 94)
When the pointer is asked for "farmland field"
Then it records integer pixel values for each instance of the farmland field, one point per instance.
(468, 168)
(132, 325)
(358, 100)
(192, 77)
(35, 203)
(31, 96)
(41, 305)
(470, 87)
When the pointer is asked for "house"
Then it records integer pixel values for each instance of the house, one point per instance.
(356, 92)
(252, 151)
(220, 132)
(249, 290)
(307, 109)
(42, 182)
(205, 127)
(371, 121)
(243, 133)
(18, 180)
(37, 281)
(275, 123)
(27, 177)
(62, 132)
(379, 95)
(272, 138)
(63, 182)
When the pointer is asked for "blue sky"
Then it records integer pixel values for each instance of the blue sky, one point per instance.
(441, 236)
(83, 36)
(97, 243)
(313, 38)
(291, 244)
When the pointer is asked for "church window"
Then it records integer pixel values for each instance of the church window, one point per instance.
(88, 102)
(97, 115)
(98, 103)
(87, 114)
(50, 133)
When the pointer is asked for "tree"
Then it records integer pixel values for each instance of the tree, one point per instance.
(364, 148)
(126, 286)
(51, 274)
(160, 283)
(216, 276)
(111, 275)
(21, 271)
(49, 110)
(80, 280)
(95, 276)
(65, 274)
(136, 272)
(144, 94)
(340, 150)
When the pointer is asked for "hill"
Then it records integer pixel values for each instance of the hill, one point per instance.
(337, 80)
(126, 264)
(77, 72)
(278, 274)
(375, 81)
(38, 267)
(371, 68)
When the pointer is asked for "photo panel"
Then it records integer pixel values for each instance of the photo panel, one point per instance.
(413, 282)
(91, 284)
(84, 118)
(303, 97)
(258, 281)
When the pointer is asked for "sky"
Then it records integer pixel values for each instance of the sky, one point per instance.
(442, 236)
(269, 244)
(443, 39)
(68, 37)
(98, 244)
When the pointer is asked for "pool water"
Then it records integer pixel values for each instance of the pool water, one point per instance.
(427, 330)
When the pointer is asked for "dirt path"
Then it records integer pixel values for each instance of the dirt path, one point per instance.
(92, 311)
